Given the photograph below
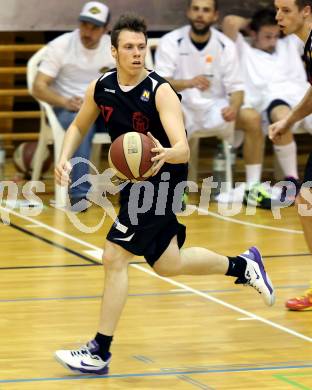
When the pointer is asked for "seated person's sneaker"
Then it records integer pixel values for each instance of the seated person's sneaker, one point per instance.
(258, 196)
(84, 359)
(291, 189)
(256, 276)
(303, 303)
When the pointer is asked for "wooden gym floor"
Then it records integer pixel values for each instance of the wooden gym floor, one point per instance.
(175, 333)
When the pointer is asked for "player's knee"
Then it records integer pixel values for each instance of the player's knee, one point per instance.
(251, 121)
(115, 258)
(167, 268)
(165, 272)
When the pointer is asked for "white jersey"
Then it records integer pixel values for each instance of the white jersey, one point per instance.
(73, 66)
(280, 75)
(177, 57)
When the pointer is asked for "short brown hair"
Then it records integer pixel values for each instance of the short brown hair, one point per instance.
(130, 22)
(303, 3)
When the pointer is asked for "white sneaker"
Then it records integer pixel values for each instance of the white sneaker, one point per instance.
(84, 359)
(256, 276)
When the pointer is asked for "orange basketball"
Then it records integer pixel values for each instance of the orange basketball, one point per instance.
(130, 156)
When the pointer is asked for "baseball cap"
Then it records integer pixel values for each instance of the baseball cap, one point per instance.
(95, 13)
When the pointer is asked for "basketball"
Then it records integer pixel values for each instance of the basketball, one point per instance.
(23, 158)
(130, 156)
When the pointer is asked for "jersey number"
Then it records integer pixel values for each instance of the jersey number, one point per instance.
(106, 112)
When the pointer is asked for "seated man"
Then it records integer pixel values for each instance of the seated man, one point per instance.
(202, 63)
(274, 76)
(71, 62)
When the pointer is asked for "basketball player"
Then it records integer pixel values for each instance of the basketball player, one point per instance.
(70, 63)
(274, 75)
(202, 63)
(295, 17)
(134, 99)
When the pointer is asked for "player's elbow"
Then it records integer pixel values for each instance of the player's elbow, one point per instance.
(186, 153)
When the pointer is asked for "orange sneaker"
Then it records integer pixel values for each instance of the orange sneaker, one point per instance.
(303, 303)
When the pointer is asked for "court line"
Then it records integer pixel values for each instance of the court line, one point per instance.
(285, 378)
(47, 241)
(156, 374)
(256, 225)
(174, 283)
(59, 266)
(194, 382)
(48, 266)
(151, 294)
(225, 304)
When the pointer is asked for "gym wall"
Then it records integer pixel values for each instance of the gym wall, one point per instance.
(161, 15)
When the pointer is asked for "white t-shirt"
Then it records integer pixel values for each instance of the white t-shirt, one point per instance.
(280, 75)
(177, 57)
(73, 66)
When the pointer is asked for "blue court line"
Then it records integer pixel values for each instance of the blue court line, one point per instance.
(153, 374)
(100, 296)
(301, 286)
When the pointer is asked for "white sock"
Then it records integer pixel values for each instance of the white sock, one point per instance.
(253, 173)
(287, 157)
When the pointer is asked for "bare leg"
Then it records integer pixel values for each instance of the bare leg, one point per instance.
(115, 294)
(306, 221)
(250, 122)
(285, 147)
(190, 261)
(278, 113)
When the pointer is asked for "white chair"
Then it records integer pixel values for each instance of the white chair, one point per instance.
(51, 131)
(194, 141)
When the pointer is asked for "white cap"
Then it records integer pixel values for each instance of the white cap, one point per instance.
(95, 13)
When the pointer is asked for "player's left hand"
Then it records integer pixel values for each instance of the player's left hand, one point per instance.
(161, 154)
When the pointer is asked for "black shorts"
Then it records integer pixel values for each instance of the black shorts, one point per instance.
(308, 169)
(150, 234)
(272, 105)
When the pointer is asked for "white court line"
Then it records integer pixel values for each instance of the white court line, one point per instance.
(171, 281)
(50, 228)
(256, 225)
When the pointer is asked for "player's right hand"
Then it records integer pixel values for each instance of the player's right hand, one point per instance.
(62, 173)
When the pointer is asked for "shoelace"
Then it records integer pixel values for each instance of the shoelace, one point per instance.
(83, 352)
(249, 283)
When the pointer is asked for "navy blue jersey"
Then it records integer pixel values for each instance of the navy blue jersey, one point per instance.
(134, 110)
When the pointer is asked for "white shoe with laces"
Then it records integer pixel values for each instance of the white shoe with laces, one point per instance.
(256, 276)
(84, 359)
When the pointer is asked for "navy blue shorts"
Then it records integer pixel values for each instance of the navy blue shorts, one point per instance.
(151, 232)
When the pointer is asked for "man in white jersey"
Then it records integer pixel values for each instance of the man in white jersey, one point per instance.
(275, 78)
(202, 63)
(71, 62)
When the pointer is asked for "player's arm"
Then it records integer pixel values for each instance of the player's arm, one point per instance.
(170, 112)
(233, 24)
(303, 109)
(86, 116)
